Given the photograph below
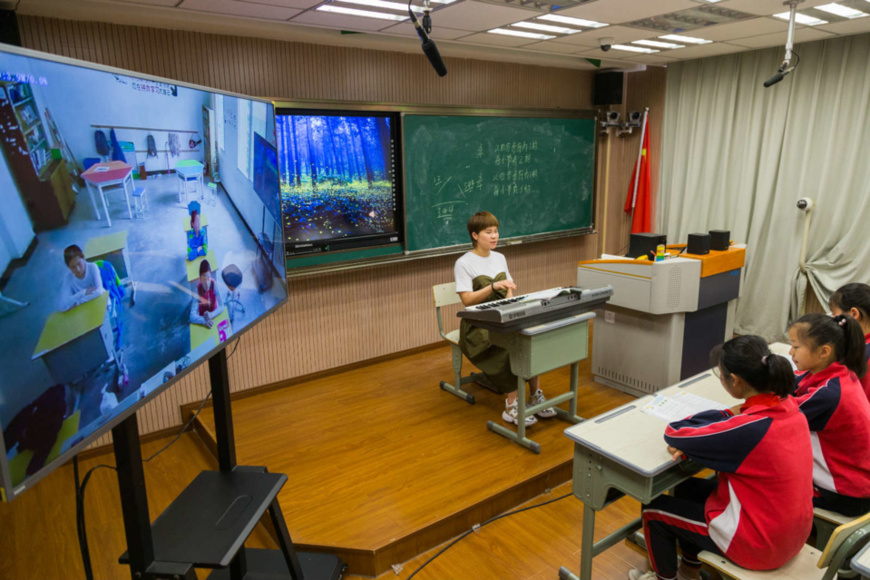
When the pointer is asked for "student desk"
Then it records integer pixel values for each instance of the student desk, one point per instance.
(102, 175)
(200, 335)
(193, 267)
(77, 341)
(861, 562)
(537, 350)
(624, 452)
(187, 171)
(203, 221)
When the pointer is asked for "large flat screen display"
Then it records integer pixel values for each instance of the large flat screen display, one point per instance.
(129, 252)
(338, 180)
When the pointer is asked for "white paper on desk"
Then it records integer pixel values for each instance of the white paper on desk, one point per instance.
(545, 294)
(679, 406)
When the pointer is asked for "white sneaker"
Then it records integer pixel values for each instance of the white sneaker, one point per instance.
(537, 398)
(511, 415)
(638, 575)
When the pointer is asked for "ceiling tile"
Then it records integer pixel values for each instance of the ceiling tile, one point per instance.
(768, 7)
(169, 3)
(438, 32)
(657, 59)
(704, 50)
(233, 8)
(765, 40)
(550, 46)
(341, 21)
(616, 11)
(477, 16)
(285, 3)
(742, 29)
(497, 39)
(857, 26)
(620, 34)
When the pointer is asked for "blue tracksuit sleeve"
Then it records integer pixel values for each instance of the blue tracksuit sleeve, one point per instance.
(819, 405)
(717, 439)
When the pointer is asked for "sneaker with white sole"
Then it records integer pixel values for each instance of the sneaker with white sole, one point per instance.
(638, 575)
(511, 414)
(538, 398)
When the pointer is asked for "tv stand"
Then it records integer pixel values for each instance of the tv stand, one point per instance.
(207, 524)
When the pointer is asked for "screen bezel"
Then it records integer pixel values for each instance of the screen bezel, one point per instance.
(7, 492)
(362, 242)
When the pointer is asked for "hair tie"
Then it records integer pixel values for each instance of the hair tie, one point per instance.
(842, 321)
(764, 360)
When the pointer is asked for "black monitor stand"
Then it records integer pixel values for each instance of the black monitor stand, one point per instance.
(207, 524)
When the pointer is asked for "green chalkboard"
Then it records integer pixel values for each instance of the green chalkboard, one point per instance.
(535, 174)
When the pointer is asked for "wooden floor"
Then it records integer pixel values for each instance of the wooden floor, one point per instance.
(383, 468)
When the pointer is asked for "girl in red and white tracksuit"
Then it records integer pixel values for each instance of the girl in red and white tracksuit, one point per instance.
(759, 511)
(854, 300)
(829, 355)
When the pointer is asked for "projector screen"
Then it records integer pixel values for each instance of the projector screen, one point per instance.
(129, 253)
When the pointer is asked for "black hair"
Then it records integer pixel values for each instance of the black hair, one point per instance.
(842, 332)
(72, 252)
(855, 295)
(749, 358)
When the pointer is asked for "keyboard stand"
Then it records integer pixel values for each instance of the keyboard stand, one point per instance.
(537, 350)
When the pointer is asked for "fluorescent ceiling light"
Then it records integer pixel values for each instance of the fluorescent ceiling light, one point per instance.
(363, 13)
(574, 21)
(711, 1)
(657, 44)
(546, 27)
(630, 48)
(522, 34)
(382, 4)
(687, 39)
(801, 19)
(443, 1)
(840, 10)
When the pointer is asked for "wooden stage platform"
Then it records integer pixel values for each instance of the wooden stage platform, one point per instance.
(383, 465)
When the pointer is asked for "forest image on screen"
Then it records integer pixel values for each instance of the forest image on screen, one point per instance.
(337, 177)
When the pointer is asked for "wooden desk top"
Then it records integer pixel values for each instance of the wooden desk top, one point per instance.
(199, 334)
(98, 247)
(203, 222)
(64, 327)
(100, 173)
(193, 267)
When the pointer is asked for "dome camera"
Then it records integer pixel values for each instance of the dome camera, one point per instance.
(606, 42)
(805, 204)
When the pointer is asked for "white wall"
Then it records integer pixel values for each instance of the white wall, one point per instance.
(16, 230)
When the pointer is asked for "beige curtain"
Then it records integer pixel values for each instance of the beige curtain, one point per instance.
(738, 156)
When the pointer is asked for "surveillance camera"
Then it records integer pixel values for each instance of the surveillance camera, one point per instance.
(805, 204)
(635, 117)
(612, 116)
(606, 42)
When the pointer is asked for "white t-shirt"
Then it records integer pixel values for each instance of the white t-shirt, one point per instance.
(470, 266)
(74, 291)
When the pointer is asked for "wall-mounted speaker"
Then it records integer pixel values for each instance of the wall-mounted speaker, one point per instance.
(607, 88)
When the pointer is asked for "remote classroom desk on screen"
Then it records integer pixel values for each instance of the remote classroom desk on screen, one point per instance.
(102, 175)
(624, 452)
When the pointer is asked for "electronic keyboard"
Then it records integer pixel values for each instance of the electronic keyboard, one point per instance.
(520, 312)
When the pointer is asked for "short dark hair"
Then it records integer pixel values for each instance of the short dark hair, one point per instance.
(193, 215)
(479, 222)
(842, 332)
(854, 295)
(204, 267)
(749, 358)
(72, 252)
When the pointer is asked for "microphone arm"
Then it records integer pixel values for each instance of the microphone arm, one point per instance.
(429, 48)
(786, 66)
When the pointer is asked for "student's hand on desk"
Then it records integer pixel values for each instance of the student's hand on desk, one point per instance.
(208, 321)
(91, 290)
(504, 285)
(676, 454)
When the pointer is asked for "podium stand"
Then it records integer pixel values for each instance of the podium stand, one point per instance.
(664, 317)
(207, 524)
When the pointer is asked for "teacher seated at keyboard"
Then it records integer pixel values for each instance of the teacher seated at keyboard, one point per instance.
(482, 276)
(758, 511)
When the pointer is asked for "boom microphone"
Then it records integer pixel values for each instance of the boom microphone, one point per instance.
(429, 48)
(773, 80)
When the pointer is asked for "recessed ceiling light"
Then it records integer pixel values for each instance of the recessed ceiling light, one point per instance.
(630, 48)
(519, 33)
(801, 19)
(657, 44)
(546, 27)
(382, 4)
(711, 1)
(840, 10)
(687, 39)
(363, 13)
(574, 21)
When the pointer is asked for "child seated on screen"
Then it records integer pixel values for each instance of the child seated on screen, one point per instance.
(482, 276)
(197, 238)
(82, 282)
(208, 304)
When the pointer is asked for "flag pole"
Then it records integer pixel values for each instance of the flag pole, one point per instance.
(637, 163)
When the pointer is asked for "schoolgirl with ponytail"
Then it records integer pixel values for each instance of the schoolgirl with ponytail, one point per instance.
(854, 300)
(829, 355)
(764, 459)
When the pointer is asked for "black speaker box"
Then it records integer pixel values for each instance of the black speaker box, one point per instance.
(607, 88)
(9, 28)
(698, 244)
(720, 240)
(642, 244)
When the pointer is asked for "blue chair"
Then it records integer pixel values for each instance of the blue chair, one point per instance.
(88, 162)
(112, 284)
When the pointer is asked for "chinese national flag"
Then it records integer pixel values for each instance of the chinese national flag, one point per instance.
(642, 220)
